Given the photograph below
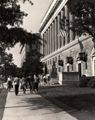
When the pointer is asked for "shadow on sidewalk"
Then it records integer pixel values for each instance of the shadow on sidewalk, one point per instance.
(39, 103)
(35, 102)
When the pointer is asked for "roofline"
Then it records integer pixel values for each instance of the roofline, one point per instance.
(47, 10)
(57, 3)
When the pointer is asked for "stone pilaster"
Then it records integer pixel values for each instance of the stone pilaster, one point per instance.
(71, 20)
(49, 40)
(62, 37)
(66, 27)
(58, 30)
(52, 36)
(55, 30)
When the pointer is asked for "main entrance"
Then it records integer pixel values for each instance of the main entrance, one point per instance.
(79, 69)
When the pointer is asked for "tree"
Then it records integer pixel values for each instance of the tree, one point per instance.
(6, 60)
(84, 13)
(11, 17)
(32, 64)
(15, 71)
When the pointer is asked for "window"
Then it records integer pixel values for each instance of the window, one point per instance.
(72, 67)
(86, 65)
(50, 61)
(59, 57)
(53, 59)
(67, 68)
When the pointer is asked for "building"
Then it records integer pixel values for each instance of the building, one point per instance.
(27, 48)
(23, 52)
(76, 54)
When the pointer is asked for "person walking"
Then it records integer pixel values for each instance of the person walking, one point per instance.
(1, 81)
(36, 82)
(44, 79)
(16, 83)
(32, 83)
(9, 83)
(23, 84)
(28, 79)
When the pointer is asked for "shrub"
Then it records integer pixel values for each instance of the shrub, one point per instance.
(91, 83)
(83, 81)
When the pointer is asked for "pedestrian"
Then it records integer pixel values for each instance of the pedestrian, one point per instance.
(44, 79)
(36, 82)
(49, 80)
(1, 81)
(23, 84)
(9, 83)
(28, 79)
(32, 83)
(16, 84)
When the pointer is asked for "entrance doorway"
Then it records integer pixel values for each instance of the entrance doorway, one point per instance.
(67, 68)
(79, 69)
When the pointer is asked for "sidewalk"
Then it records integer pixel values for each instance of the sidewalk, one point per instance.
(34, 107)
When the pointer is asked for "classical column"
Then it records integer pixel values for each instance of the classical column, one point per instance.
(47, 43)
(66, 27)
(52, 36)
(55, 30)
(58, 27)
(71, 20)
(49, 40)
(43, 49)
(57, 33)
(62, 37)
(63, 26)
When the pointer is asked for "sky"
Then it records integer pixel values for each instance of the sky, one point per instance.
(32, 22)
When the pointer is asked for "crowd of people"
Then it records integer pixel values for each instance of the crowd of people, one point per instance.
(30, 81)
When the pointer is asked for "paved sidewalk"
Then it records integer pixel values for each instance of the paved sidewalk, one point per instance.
(3, 95)
(34, 107)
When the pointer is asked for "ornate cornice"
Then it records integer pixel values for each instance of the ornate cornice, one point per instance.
(57, 3)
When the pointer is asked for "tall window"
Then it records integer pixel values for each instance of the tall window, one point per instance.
(67, 68)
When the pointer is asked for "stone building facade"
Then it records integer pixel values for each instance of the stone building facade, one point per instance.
(57, 48)
(23, 52)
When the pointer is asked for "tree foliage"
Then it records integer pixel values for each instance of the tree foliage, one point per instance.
(11, 17)
(32, 64)
(6, 58)
(84, 13)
